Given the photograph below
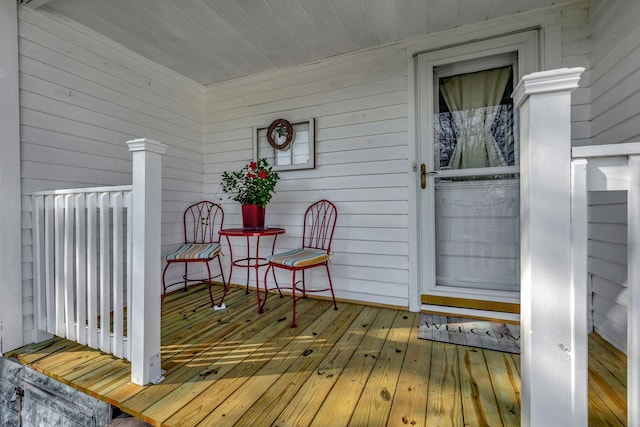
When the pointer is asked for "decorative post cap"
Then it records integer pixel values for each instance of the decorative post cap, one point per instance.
(146, 144)
(546, 81)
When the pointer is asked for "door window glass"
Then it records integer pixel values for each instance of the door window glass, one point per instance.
(474, 120)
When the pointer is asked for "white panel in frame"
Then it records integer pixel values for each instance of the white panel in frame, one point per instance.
(300, 154)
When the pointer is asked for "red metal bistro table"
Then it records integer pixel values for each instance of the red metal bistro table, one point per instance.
(254, 261)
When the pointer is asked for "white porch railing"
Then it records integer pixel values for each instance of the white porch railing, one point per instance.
(97, 264)
(609, 168)
(82, 263)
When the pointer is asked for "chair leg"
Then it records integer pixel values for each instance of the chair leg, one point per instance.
(304, 287)
(224, 283)
(335, 306)
(293, 299)
(186, 271)
(266, 289)
(164, 285)
(209, 282)
(275, 280)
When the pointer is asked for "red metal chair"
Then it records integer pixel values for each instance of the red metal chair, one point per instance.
(201, 221)
(319, 225)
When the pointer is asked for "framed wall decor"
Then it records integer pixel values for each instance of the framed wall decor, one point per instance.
(287, 145)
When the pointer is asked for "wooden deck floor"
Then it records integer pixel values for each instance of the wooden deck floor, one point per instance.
(357, 366)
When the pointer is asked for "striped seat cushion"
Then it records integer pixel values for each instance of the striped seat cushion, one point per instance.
(195, 251)
(299, 257)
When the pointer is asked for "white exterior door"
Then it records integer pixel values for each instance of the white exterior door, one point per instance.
(468, 174)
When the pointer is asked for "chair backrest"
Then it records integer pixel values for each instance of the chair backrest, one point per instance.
(202, 222)
(319, 225)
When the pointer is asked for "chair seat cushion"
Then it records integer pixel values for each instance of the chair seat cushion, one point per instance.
(299, 257)
(190, 251)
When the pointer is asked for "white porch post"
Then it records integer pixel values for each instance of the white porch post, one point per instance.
(633, 280)
(11, 333)
(548, 361)
(580, 292)
(145, 302)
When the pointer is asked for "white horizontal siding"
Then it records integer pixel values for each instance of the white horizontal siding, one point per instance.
(615, 94)
(359, 103)
(82, 97)
(608, 264)
(614, 115)
(575, 49)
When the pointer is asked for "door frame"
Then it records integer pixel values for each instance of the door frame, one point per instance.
(526, 45)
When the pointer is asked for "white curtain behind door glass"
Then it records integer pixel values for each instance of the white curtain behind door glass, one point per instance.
(473, 100)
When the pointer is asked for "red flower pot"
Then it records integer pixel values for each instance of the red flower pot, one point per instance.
(252, 217)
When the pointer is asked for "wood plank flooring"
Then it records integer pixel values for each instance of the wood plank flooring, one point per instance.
(357, 366)
(607, 384)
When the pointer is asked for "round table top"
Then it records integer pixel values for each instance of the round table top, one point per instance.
(247, 232)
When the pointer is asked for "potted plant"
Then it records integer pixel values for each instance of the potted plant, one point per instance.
(252, 187)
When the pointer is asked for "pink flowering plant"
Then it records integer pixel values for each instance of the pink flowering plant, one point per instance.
(254, 184)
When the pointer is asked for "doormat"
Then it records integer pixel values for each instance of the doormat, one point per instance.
(470, 332)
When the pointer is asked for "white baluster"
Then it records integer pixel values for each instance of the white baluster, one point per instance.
(105, 276)
(117, 288)
(81, 269)
(68, 245)
(92, 271)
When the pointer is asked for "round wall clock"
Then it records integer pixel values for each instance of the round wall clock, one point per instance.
(280, 134)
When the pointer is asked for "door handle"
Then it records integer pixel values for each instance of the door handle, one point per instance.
(423, 175)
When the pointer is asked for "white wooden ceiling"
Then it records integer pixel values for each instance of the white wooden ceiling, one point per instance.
(210, 41)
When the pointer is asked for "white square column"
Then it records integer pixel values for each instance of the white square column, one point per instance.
(633, 280)
(548, 317)
(144, 331)
(11, 327)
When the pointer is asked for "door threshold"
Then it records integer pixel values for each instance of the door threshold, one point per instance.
(488, 315)
(487, 303)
